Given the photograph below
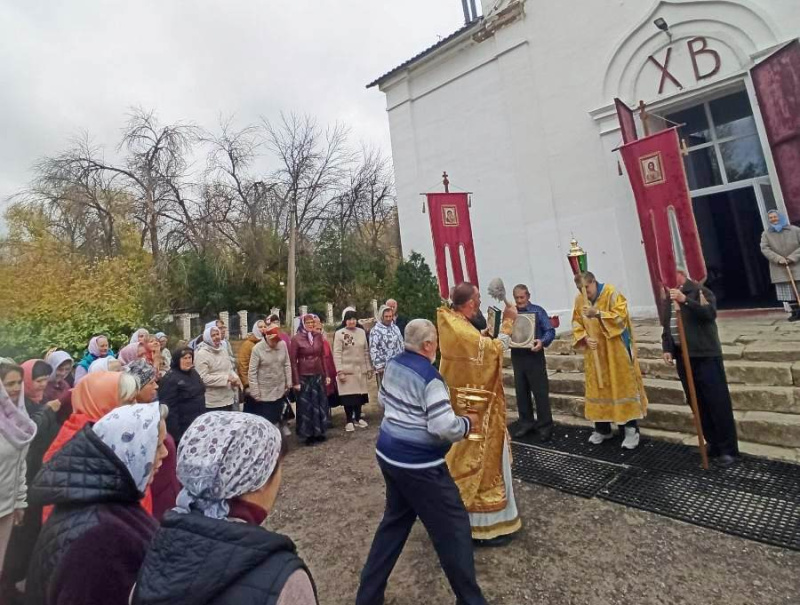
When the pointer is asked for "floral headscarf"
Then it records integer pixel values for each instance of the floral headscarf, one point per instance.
(15, 425)
(132, 434)
(223, 455)
(301, 329)
(143, 372)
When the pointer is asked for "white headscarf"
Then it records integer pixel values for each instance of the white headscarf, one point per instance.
(135, 335)
(131, 431)
(255, 331)
(346, 309)
(55, 359)
(100, 365)
(223, 455)
(207, 335)
(15, 424)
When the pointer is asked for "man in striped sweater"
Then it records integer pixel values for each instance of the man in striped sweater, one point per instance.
(418, 427)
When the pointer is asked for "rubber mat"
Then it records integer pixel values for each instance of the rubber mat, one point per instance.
(700, 500)
(572, 474)
(575, 440)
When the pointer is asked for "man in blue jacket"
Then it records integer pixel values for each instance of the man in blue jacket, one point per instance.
(418, 428)
(530, 372)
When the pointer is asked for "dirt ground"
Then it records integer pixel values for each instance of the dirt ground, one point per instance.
(571, 551)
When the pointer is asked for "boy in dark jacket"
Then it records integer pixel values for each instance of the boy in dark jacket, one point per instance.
(699, 313)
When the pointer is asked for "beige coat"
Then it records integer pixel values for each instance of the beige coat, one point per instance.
(270, 372)
(215, 368)
(351, 357)
(785, 244)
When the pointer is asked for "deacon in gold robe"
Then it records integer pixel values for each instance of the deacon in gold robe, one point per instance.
(602, 327)
(481, 469)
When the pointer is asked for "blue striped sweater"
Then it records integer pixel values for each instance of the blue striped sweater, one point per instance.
(419, 424)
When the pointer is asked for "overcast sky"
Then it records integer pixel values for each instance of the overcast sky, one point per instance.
(68, 66)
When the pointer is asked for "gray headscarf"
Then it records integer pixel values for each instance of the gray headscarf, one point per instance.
(142, 371)
(223, 455)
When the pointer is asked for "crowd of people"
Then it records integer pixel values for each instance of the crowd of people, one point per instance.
(177, 454)
(156, 446)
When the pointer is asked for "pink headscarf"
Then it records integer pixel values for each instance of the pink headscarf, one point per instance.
(130, 353)
(302, 327)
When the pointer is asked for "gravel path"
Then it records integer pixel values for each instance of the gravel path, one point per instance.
(571, 551)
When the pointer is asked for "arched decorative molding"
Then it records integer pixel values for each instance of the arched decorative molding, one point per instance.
(736, 25)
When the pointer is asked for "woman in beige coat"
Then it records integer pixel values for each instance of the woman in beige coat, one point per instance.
(353, 370)
(781, 245)
(269, 376)
(212, 362)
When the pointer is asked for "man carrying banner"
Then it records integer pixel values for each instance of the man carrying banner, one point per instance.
(481, 469)
(699, 313)
(621, 399)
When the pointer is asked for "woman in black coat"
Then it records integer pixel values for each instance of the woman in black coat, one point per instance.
(183, 392)
(212, 549)
(93, 544)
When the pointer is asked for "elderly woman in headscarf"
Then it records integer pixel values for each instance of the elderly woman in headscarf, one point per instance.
(183, 392)
(48, 415)
(230, 468)
(270, 377)
(98, 349)
(61, 365)
(310, 378)
(141, 335)
(216, 371)
(17, 431)
(385, 341)
(130, 353)
(93, 545)
(146, 380)
(780, 244)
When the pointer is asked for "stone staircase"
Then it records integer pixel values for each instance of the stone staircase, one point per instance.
(762, 361)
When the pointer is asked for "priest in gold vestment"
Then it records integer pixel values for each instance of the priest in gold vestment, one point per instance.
(601, 326)
(481, 469)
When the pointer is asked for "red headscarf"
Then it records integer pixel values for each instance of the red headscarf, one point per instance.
(27, 376)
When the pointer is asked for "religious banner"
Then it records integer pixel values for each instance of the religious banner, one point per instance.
(627, 122)
(658, 179)
(452, 240)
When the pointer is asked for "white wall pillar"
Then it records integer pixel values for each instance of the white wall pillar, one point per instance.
(329, 314)
(243, 326)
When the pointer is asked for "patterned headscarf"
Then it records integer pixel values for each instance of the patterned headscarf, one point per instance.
(143, 372)
(132, 434)
(15, 425)
(223, 455)
(301, 329)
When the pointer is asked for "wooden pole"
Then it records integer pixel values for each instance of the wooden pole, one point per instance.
(643, 117)
(590, 328)
(794, 284)
(687, 366)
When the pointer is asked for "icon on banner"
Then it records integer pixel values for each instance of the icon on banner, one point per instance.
(449, 216)
(652, 170)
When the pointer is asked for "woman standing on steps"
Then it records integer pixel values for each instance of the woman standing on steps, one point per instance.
(780, 243)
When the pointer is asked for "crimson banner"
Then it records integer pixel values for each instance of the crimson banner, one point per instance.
(658, 179)
(452, 239)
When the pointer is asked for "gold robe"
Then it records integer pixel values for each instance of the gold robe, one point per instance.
(469, 359)
(622, 397)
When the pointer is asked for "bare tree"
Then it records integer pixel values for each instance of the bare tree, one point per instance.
(312, 165)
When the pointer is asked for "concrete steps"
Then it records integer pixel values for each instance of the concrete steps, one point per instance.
(762, 362)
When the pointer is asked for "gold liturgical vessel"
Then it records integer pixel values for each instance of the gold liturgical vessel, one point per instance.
(474, 400)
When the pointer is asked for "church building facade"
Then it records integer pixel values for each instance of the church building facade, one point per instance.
(518, 107)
